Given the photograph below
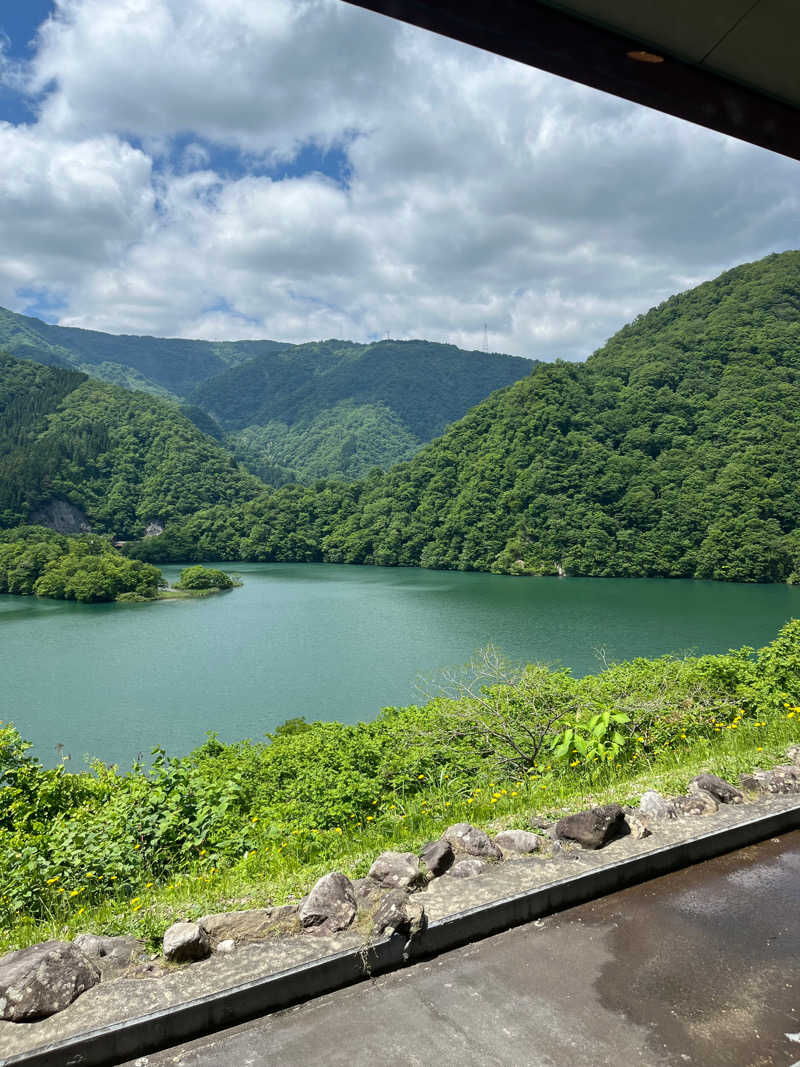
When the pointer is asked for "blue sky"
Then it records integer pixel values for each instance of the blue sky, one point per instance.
(301, 169)
(19, 22)
(18, 25)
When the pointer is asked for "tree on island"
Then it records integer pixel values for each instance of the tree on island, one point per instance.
(204, 578)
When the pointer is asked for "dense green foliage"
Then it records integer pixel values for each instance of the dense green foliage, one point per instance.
(154, 364)
(124, 459)
(293, 413)
(344, 441)
(426, 385)
(337, 409)
(673, 451)
(36, 561)
(68, 841)
(204, 578)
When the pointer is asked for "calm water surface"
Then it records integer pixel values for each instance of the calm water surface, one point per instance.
(328, 642)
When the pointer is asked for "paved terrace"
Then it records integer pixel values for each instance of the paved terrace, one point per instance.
(699, 967)
(281, 970)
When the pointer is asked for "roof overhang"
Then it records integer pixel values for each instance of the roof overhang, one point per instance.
(729, 65)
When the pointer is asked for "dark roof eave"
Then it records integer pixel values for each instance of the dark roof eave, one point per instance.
(540, 36)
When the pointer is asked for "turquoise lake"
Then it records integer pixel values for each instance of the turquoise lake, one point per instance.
(329, 642)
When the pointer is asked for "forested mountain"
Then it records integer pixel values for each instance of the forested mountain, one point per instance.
(154, 364)
(335, 408)
(119, 459)
(288, 412)
(674, 450)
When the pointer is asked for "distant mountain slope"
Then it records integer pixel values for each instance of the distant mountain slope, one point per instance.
(288, 412)
(153, 364)
(335, 408)
(673, 451)
(120, 459)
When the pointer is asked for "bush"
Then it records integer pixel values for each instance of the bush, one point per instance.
(204, 578)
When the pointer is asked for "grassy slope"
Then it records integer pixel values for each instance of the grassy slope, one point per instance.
(282, 871)
(316, 800)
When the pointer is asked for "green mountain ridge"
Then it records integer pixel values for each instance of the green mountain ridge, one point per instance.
(290, 413)
(164, 366)
(337, 409)
(673, 451)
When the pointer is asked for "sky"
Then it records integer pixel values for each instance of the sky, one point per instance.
(305, 169)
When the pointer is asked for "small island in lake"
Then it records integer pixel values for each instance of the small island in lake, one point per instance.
(197, 581)
(35, 561)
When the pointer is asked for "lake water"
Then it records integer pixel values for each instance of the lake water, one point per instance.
(328, 642)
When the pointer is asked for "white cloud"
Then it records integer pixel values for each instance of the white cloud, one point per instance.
(481, 191)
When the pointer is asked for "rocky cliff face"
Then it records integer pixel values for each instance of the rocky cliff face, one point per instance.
(62, 517)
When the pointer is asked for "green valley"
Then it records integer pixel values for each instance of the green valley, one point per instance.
(337, 409)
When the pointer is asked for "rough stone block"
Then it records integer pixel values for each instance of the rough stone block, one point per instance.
(594, 828)
(396, 870)
(186, 943)
(331, 904)
(465, 837)
(517, 841)
(438, 857)
(41, 980)
(723, 792)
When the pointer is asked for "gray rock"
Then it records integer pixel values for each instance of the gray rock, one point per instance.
(698, 803)
(122, 947)
(396, 870)
(784, 779)
(365, 890)
(331, 904)
(112, 955)
(399, 913)
(467, 868)
(438, 857)
(593, 828)
(62, 517)
(653, 806)
(723, 792)
(42, 980)
(793, 754)
(465, 837)
(255, 924)
(186, 943)
(753, 782)
(638, 825)
(226, 946)
(517, 841)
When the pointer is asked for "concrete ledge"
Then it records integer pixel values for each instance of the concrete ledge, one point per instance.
(136, 1037)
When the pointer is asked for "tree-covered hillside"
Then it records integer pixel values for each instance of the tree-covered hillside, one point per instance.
(154, 364)
(338, 409)
(122, 459)
(674, 450)
(289, 413)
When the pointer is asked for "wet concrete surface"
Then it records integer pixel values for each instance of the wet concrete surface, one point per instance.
(700, 967)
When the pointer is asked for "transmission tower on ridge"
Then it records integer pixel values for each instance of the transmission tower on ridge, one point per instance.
(486, 338)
